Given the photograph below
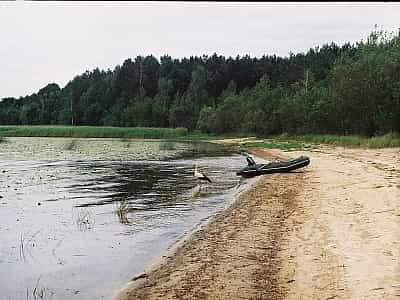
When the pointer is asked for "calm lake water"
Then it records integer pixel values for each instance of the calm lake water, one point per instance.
(80, 217)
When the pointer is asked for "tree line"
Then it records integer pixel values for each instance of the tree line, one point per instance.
(348, 89)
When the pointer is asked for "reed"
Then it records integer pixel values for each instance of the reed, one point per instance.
(92, 132)
(122, 211)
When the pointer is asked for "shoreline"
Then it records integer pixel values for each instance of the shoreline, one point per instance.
(329, 231)
(186, 238)
(199, 233)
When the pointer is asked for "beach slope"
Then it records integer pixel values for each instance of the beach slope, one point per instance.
(328, 231)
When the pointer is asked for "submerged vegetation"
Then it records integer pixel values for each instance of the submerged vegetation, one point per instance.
(122, 210)
(344, 90)
(168, 145)
(72, 145)
(85, 220)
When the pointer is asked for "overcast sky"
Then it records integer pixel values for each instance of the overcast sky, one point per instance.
(54, 41)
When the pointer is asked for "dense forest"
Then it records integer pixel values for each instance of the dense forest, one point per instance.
(349, 89)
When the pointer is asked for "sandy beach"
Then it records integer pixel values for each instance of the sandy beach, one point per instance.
(328, 231)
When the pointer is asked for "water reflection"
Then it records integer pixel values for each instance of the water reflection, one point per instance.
(107, 209)
(141, 186)
(149, 186)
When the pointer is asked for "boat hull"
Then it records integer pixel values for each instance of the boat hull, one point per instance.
(274, 167)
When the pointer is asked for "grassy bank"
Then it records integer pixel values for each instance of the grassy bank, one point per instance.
(199, 136)
(275, 144)
(287, 142)
(93, 131)
(387, 140)
(284, 141)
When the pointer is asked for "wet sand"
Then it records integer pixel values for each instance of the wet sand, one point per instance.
(328, 231)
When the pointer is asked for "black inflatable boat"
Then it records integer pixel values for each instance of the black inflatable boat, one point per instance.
(254, 169)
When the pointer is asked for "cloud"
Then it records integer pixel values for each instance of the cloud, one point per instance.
(54, 41)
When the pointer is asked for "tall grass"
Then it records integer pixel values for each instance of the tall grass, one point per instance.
(92, 131)
(387, 140)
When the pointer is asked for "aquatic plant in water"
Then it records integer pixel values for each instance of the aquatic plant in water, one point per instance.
(122, 211)
(85, 220)
(72, 145)
(168, 146)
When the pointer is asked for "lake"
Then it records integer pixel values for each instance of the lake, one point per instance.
(81, 217)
